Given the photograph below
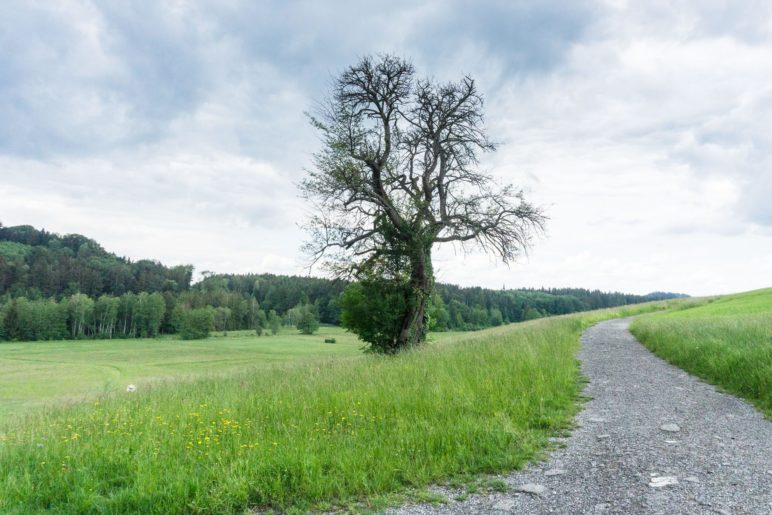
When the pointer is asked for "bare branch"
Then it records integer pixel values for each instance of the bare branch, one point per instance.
(399, 168)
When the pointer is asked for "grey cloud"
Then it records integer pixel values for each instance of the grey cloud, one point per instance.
(89, 78)
(161, 52)
(526, 37)
(99, 76)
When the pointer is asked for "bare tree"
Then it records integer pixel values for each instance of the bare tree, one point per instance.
(399, 173)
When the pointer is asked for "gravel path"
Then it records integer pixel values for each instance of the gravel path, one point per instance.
(653, 439)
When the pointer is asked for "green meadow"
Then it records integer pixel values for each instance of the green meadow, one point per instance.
(34, 374)
(294, 435)
(726, 341)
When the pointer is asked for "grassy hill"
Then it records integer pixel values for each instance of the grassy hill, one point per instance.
(726, 341)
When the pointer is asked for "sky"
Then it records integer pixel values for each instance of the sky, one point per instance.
(176, 130)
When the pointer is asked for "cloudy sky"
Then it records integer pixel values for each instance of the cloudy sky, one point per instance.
(176, 131)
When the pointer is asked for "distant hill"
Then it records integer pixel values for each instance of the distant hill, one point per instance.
(39, 263)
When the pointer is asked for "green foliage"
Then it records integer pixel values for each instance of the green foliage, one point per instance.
(307, 323)
(12, 250)
(262, 319)
(10, 318)
(495, 318)
(41, 320)
(274, 321)
(80, 310)
(373, 310)
(195, 324)
(149, 313)
(727, 342)
(439, 318)
(106, 316)
(221, 317)
(295, 438)
(532, 314)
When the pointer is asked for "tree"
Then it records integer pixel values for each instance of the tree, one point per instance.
(194, 324)
(399, 173)
(105, 315)
(274, 320)
(221, 317)
(80, 310)
(262, 319)
(307, 322)
(149, 313)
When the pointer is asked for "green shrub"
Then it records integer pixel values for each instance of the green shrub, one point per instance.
(373, 310)
(195, 324)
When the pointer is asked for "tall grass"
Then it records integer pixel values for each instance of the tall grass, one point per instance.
(727, 342)
(304, 435)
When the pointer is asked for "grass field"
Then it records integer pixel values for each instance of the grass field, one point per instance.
(309, 433)
(34, 374)
(726, 341)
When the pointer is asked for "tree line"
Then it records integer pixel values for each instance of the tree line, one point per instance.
(143, 315)
(56, 296)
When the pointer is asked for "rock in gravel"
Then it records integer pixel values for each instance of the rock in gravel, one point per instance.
(692, 479)
(554, 472)
(603, 437)
(531, 488)
(504, 505)
(670, 428)
(597, 420)
(662, 481)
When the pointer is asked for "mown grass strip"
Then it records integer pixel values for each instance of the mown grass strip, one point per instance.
(726, 341)
(305, 435)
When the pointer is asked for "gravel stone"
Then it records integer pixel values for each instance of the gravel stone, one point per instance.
(660, 481)
(670, 428)
(635, 392)
(531, 488)
(554, 472)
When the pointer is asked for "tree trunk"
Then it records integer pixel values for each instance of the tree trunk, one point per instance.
(414, 322)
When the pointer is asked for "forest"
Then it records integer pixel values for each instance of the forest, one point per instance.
(60, 287)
